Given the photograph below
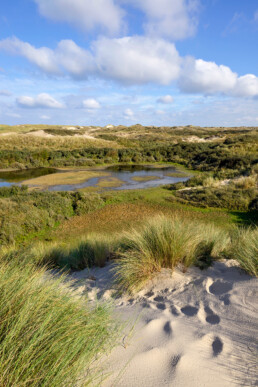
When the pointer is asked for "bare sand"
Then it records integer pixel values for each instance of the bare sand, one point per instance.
(193, 329)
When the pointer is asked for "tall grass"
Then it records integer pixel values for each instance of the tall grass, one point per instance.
(84, 252)
(47, 336)
(244, 249)
(165, 242)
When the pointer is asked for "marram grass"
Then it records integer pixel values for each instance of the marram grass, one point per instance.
(47, 336)
(244, 248)
(164, 243)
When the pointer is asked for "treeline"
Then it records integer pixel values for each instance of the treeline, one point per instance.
(199, 156)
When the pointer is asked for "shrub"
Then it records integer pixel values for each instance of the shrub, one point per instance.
(47, 336)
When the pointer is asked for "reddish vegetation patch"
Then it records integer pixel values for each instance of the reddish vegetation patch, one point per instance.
(119, 217)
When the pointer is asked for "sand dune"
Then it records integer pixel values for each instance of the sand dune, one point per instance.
(192, 329)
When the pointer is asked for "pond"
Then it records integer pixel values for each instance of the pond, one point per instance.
(9, 178)
(118, 177)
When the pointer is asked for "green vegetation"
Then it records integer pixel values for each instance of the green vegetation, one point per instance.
(47, 336)
(225, 151)
(165, 243)
(24, 215)
(244, 249)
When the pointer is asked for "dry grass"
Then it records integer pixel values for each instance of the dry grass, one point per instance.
(145, 178)
(23, 141)
(62, 178)
(110, 182)
(118, 217)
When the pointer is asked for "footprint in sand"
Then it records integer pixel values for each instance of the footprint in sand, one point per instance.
(161, 306)
(217, 346)
(189, 310)
(167, 328)
(174, 310)
(211, 317)
(159, 299)
(220, 287)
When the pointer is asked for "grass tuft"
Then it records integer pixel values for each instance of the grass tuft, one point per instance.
(164, 243)
(244, 249)
(47, 336)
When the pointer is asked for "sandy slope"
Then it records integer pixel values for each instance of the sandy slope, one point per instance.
(193, 329)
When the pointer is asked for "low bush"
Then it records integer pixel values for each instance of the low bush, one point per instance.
(222, 197)
(47, 336)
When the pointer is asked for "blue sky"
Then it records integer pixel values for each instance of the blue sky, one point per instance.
(166, 62)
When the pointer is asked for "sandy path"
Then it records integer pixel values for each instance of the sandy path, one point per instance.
(194, 329)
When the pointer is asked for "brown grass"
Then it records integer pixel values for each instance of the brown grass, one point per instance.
(119, 217)
(74, 177)
(145, 178)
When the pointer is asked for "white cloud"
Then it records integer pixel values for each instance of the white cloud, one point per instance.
(68, 56)
(42, 57)
(85, 14)
(174, 19)
(166, 99)
(91, 103)
(43, 100)
(45, 117)
(5, 93)
(246, 86)
(199, 76)
(135, 60)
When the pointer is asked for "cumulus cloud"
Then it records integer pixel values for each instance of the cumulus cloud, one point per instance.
(199, 76)
(166, 99)
(175, 19)
(42, 100)
(67, 56)
(91, 103)
(138, 60)
(42, 57)
(246, 86)
(85, 14)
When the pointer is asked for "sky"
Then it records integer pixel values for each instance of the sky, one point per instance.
(153, 62)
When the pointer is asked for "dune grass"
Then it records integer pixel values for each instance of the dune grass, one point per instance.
(48, 337)
(83, 252)
(244, 248)
(164, 242)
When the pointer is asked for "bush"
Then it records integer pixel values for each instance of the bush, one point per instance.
(47, 336)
